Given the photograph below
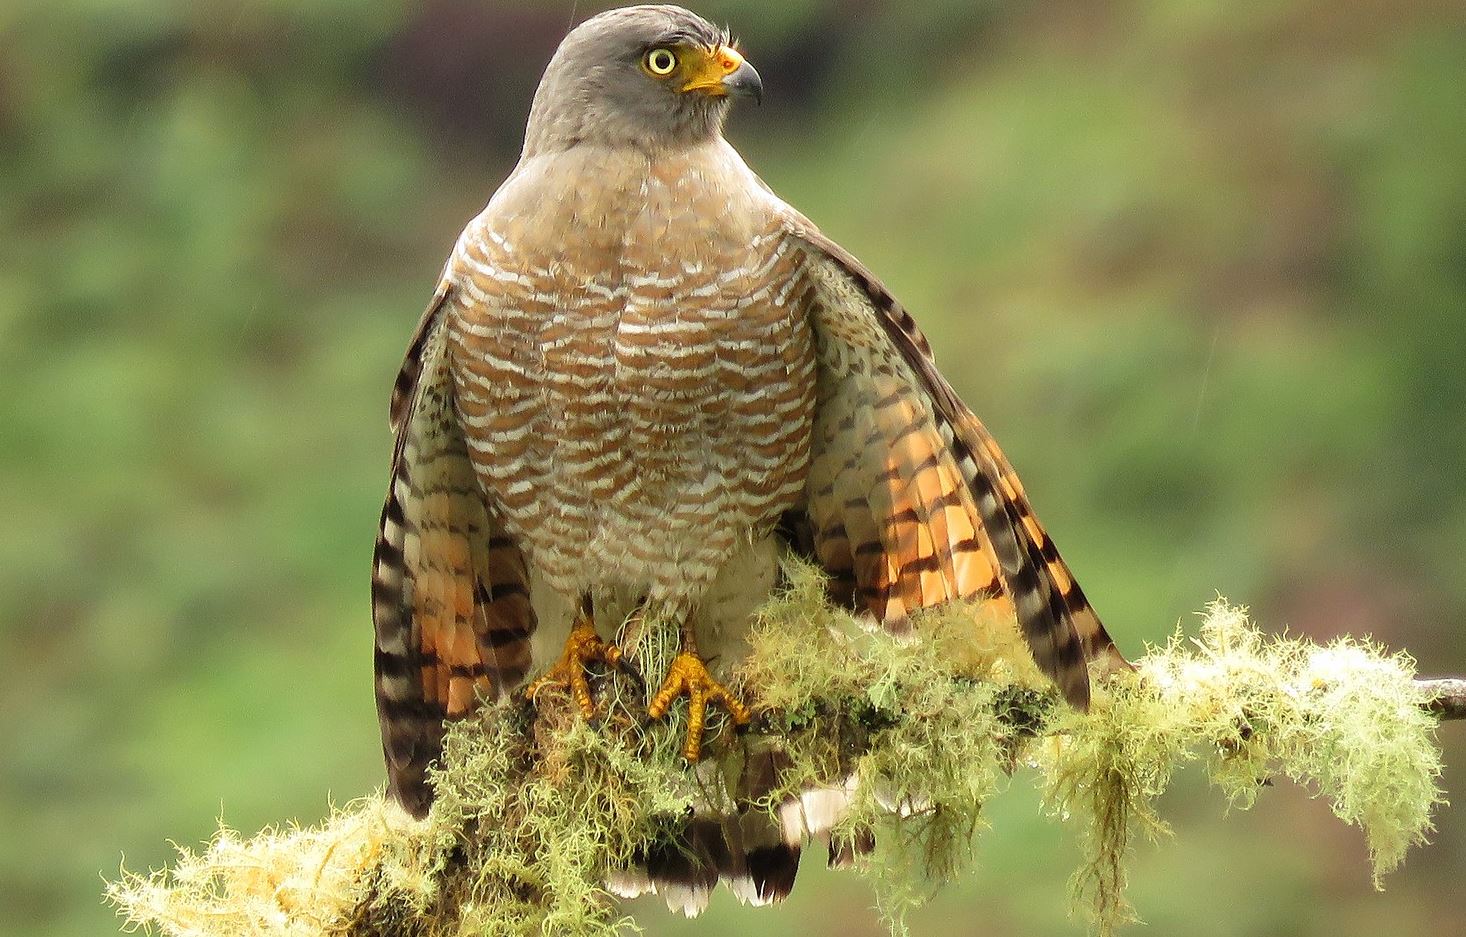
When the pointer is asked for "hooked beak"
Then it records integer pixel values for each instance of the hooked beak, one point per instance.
(745, 83)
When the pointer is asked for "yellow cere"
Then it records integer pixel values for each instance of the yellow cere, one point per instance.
(705, 69)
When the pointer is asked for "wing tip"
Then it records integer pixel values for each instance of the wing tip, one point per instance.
(1076, 689)
(409, 787)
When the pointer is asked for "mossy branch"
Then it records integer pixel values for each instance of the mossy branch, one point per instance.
(535, 809)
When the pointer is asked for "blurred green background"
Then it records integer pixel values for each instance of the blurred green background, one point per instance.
(1200, 265)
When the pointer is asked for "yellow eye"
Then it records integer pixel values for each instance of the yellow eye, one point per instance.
(660, 62)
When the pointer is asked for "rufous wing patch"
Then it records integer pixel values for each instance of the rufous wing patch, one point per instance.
(910, 495)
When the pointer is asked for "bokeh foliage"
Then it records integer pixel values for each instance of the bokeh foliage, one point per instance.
(1201, 266)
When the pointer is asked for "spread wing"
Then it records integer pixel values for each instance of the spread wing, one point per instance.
(450, 590)
(910, 502)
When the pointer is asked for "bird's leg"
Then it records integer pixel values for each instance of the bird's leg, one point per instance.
(582, 647)
(688, 676)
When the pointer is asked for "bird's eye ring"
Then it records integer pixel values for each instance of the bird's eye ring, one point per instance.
(660, 62)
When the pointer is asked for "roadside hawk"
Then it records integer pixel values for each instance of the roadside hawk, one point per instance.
(643, 374)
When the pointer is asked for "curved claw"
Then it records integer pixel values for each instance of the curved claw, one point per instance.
(584, 646)
(688, 676)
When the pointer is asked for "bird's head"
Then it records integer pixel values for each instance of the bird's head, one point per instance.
(653, 77)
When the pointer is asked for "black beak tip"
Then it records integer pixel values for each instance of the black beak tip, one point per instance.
(746, 83)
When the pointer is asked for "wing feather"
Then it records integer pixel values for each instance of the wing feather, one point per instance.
(450, 597)
(951, 518)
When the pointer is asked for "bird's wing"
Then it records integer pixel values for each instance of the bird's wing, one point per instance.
(450, 590)
(910, 502)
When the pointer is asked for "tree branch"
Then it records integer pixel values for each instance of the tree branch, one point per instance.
(1447, 697)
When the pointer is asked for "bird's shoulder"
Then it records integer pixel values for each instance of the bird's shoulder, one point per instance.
(590, 211)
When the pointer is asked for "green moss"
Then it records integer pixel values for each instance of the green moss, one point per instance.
(926, 727)
(531, 812)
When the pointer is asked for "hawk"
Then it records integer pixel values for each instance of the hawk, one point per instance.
(642, 373)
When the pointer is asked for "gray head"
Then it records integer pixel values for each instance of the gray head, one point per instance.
(652, 77)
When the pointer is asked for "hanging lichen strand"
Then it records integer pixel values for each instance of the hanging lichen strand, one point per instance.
(532, 812)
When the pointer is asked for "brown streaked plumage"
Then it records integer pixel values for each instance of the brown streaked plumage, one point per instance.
(641, 372)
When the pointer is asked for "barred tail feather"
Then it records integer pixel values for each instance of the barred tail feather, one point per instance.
(753, 852)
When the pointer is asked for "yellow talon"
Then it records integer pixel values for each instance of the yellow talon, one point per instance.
(688, 676)
(582, 647)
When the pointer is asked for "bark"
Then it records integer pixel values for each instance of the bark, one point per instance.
(1447, 697)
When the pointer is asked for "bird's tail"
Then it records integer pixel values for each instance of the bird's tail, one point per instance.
(753, 850)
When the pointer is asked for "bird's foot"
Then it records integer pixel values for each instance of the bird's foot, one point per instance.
(688, 676)
(583, 647)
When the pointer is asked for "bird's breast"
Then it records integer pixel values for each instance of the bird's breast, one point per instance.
(650, 366)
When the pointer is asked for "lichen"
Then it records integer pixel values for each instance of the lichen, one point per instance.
(533, 808)
(1345, 719)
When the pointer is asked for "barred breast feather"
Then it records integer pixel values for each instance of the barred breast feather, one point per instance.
(636, 402)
